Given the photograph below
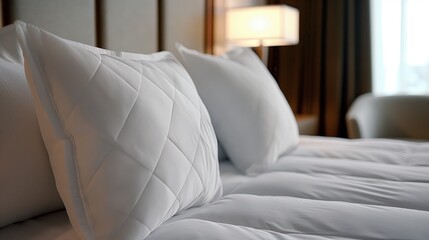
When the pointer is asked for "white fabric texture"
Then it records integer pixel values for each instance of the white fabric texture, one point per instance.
(129, 140)
(10, 50)
(326, 188)
(27, 186)
(251, 117)
(231, 177)
(46, 227)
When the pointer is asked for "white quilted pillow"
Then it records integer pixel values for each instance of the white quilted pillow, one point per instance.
(27, 186)
(129, 140)
(250, 114)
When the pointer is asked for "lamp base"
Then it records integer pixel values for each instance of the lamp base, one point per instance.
(261, 51)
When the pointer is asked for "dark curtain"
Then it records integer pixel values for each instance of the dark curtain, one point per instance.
(331, 65)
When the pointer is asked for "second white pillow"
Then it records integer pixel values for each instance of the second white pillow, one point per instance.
(252, 119)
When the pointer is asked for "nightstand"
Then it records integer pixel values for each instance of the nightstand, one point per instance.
(307, 124)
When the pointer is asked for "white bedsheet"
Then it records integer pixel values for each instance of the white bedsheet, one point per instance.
(231, 177)
(325, 189)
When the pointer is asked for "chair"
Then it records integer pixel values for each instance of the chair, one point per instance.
(398, 116)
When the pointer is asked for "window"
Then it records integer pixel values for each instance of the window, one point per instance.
(400, 45)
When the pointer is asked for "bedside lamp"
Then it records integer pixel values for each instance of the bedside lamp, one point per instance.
(272, 25)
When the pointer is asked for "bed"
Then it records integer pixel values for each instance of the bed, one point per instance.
(325, 189)
(265, 182)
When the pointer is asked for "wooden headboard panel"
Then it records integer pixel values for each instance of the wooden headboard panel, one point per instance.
(69, 19)
(142, 26)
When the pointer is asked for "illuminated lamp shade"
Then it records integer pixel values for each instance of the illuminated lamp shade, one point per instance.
(272, 25)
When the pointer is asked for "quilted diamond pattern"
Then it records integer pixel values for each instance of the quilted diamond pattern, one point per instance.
(130, 142)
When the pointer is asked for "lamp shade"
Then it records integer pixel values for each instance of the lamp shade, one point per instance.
(272, 25)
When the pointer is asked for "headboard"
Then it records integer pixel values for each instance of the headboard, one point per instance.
(142, 26)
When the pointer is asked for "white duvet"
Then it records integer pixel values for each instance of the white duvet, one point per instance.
(325, 189)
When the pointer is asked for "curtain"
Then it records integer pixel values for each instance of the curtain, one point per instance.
(331, 65)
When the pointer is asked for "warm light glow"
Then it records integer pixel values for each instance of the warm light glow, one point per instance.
(263, 25)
